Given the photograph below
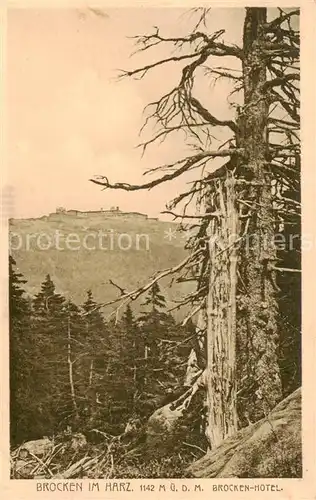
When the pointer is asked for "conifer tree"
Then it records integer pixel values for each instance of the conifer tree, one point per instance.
(47, 302)
(154, 319)
(160, 338)
(93, 318)
(50, 371)
(155, 300)
(20, 352)
(18, 304)
(132, 359)
(151, 321)
(95, 340)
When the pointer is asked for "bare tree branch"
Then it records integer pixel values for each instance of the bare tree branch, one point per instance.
(122, 290)
(143, 70)
(139, 291)
(188, 163)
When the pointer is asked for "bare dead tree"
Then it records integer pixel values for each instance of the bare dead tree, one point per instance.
(239, 207)
(70, 363)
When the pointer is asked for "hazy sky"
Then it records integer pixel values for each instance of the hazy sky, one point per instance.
(69, 118)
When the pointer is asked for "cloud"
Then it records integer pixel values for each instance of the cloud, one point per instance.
(99, 12)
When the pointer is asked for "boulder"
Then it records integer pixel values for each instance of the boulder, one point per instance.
(38, 447)
(161, 426)
(271, 447)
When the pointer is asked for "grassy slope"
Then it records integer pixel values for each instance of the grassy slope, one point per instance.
(75, 271)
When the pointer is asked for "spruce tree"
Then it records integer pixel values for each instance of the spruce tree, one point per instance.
(18, 304)
(50, 370)
(132, 360)
(20, 357)
(92, 315)
(47, 302)
(159, 333)
(155, 300)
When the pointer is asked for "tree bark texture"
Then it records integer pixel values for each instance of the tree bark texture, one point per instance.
(258, 249)
(223, 233)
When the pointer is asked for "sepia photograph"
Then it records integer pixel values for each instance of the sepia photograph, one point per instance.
(154, 205)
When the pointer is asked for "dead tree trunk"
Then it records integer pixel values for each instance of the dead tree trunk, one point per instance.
(223, 234)
(257, 250)
(70, 370)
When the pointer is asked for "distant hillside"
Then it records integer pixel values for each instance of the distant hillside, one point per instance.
(82, 250)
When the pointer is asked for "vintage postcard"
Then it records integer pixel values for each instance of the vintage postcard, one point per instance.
(157, 269)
